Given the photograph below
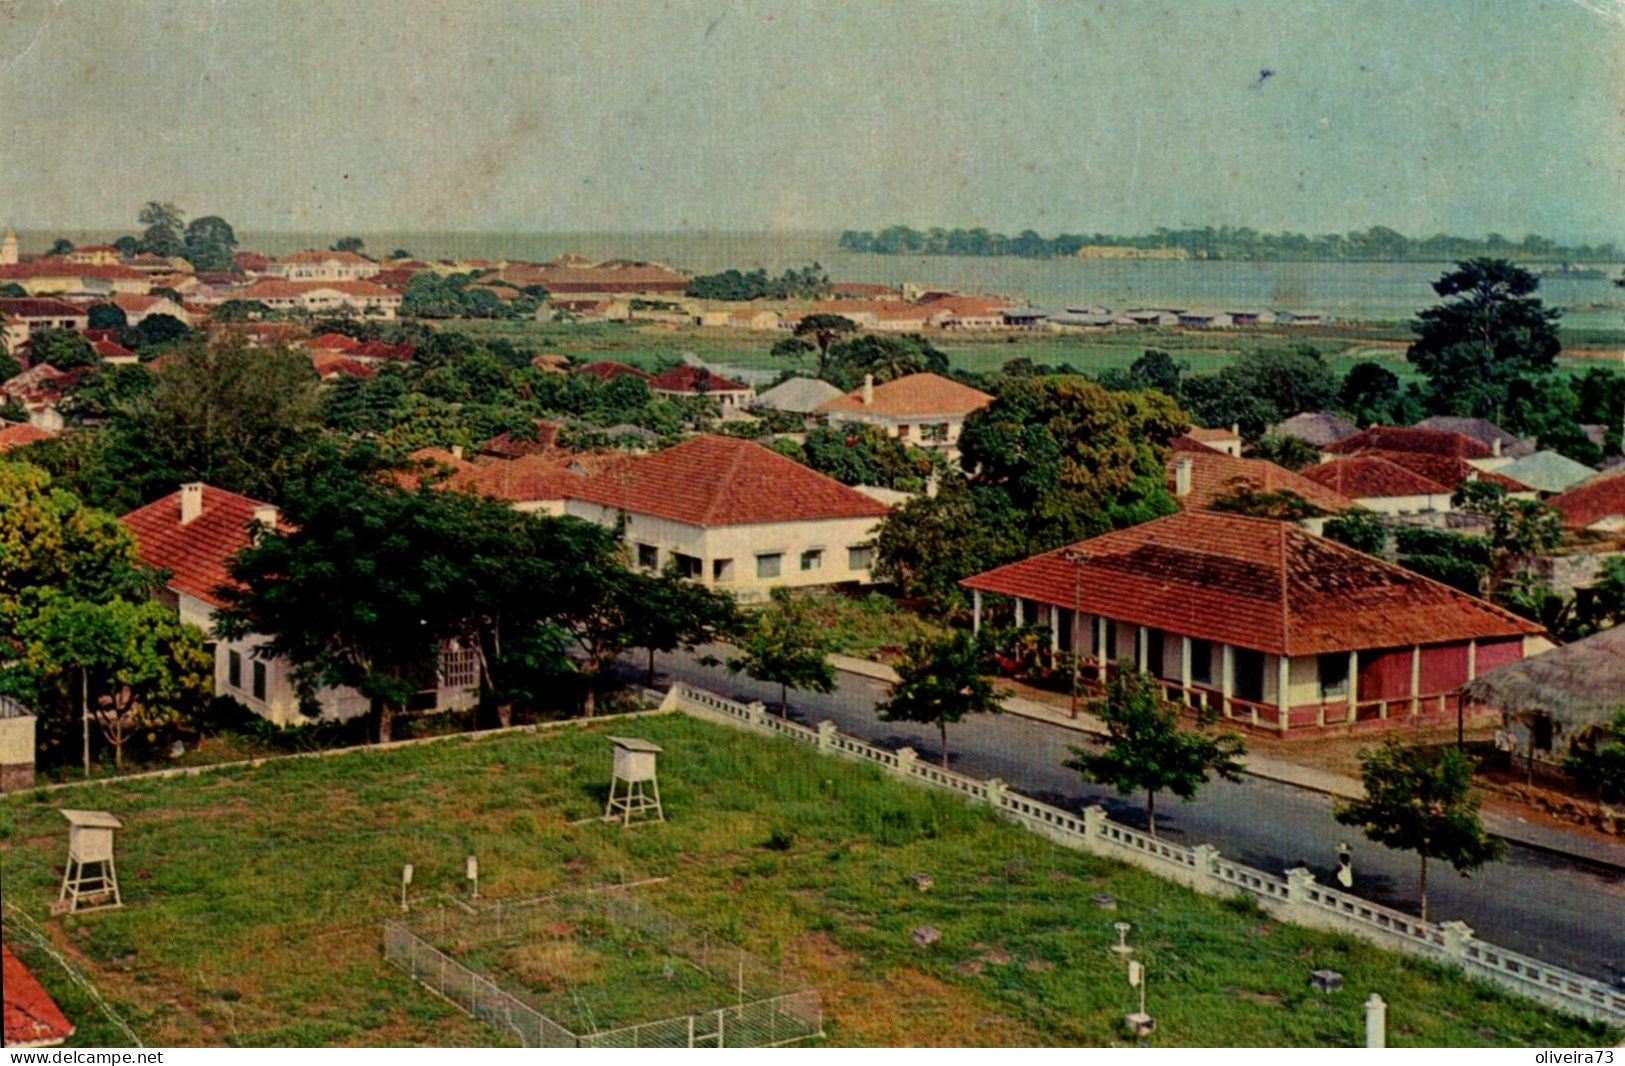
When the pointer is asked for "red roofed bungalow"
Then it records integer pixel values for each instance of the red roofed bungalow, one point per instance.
(192, 534)
(733, 514)
(1199, 477)
(687, 380)
(31, 1016)
(1412, 439)
(1597, 503)
(1267, 623)
(609, 370)
(1380, 484)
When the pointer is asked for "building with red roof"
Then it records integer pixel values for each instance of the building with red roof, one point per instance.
(735, 515)
(56, 275)
(323, 266)
(609, 370)
(31, 1017)
(689, 380)
(330, 365)
(1263, 621)
(1378, 483)
(925, 410)
(1452, 472)
(1227, 441)
(18, 434)
(320, 297)
(113, 353)
(1412, 439)
(1597, 503)
(22, 317)
(1199, 477)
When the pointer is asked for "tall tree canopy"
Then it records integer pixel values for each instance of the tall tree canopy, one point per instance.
(1489, 333)
(784, 645)
(941, 681)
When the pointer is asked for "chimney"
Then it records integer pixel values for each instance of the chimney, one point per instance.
(191, 501)
(868, 388)
(265, 515)
(1495, 447)
(456, 451)
(1182, 476)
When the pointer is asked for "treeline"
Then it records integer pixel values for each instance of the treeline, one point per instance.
(806, 283)
(1377, 244)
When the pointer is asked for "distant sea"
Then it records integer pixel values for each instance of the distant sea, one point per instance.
(1348, 291)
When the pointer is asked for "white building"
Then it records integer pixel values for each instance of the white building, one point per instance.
(925, 410)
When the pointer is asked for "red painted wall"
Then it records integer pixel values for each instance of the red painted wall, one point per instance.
(1385, 675)
(1492, 653)
(1444, 667)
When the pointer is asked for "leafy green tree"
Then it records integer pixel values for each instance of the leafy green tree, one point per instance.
(824, 329)
(1459, 560)
(1261, 388)
(1490, 332)
(886, 357)
(1154, 369)
(127, 246)
(134, 666)
(1519, 529)
(1146, 748)
(939, 682)
(929, 543)
(675, 612)
(162, 235)
(107, 316)
(791, 349)
(1284, 505)
(240, 311)
(784, 645)
(1293, 453)
(1421, 800)
(210, 242)
(864, 455)
(349, 244)
(234, 416)
(597, 600)
(60, 246)
(12, 290)
(1359, 528)
(1371, 395)
(1598, 761)
(157, 330)
(64, 349)
(1607, 600)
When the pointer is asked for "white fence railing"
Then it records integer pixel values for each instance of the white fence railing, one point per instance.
(1297, 897)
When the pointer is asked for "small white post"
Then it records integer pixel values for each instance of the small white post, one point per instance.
(1376, 1022)
(826, 735)
(473, 872)
(406, 879)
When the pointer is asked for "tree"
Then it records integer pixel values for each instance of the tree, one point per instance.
(1261, 388)
(1371, 395)
(163, 233)
(64, 349)
(107, 316)
(1490, 332)
(235, 416)
(929, 543)
(1293, 453)
(1146, 749)
(60, 246)
(865, 455)
(1422, 801)
(825, 329)
(1284, 505)
(887, 358)
(349, 244)
(793, 349)
(785, 646)
(1153, 369)
(1359, 528)
(940, 682)
(210, 242)
(677, 612)
(1519, 529)
(158, 329)
(136, 666)
(1597, 760)
(12, 290)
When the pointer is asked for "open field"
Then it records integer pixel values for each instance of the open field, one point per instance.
(255, 899)
(648, 345)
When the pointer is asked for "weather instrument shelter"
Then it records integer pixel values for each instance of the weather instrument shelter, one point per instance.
(90, 881)
(634, 793)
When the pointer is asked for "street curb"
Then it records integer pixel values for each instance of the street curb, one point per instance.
(881, 672)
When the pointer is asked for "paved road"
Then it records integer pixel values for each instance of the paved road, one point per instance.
(1562, 911)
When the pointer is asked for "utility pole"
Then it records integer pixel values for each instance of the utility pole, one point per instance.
(84, 711)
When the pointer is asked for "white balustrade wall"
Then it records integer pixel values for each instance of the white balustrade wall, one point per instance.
(1296, 897)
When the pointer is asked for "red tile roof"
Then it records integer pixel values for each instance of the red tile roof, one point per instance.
(504, 446)
(694, 379)
(400, 353)
(1368, 477)
(350, 258)
(40, 307)
(15, 435)
(1215, 475)
(1204, 435)
(722, 481)
(333, 364)
(31, 1017)
(1594, 500)
(196, 553)
(58, 267)
(1254, 583)
(1447, 470)
(112, 351)
(864, 290)
(1411, 439)
(332, 342)
(609, 370)
(915, 395)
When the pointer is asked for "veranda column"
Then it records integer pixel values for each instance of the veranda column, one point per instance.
(1283, 692)
(1472, 660)
(1105, 654)
(1185, 666)
(1227, 676)
(1054, 628)
(1354, 683)
(976, 609)
(1142, 649)
(1416, 680)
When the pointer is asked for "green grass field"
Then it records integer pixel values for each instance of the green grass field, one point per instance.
(254, 903)
(1203, 351)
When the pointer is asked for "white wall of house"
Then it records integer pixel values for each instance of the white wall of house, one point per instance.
(1406, 504)
(743, 558)
(922, 431)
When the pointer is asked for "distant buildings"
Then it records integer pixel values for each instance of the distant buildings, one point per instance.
(24, 317)
(322, 266)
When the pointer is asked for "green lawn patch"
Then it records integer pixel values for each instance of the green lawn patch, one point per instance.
(255, 900)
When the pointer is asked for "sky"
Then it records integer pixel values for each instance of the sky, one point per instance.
(1461, 116)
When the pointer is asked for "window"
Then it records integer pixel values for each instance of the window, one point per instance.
(1153, 653)
(902, 432)
(860, 558)
(234, 668)
(1249, 675)
(812, 559)
(1108, 651)
(1334, 675)
(768, 565)
(722, 569)
(259, 680)
(935, 432)
(1201, 661)
(688, 566)
(648, 557)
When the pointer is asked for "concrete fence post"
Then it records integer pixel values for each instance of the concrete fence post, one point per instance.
(1298, 883)
(905, 762)
(1094, 826)
(1376, 1022)
(758, 712)
(1207, 861)
(995, 793)
(826, 735)
(1456, 935)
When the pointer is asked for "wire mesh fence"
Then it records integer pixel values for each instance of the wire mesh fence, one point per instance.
(633, 959)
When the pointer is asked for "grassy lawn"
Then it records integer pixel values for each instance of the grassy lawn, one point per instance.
(871, 626)
(648, 345)
(254, 901)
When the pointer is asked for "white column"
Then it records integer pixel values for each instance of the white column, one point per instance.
(1472, 660)
(1021, 612)
(1354, 683)
(1105, 654)
(976, 609)
(1227, 675)
(1142, 649)
(1283, 692)
(1185, 665)
(1054, 628)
